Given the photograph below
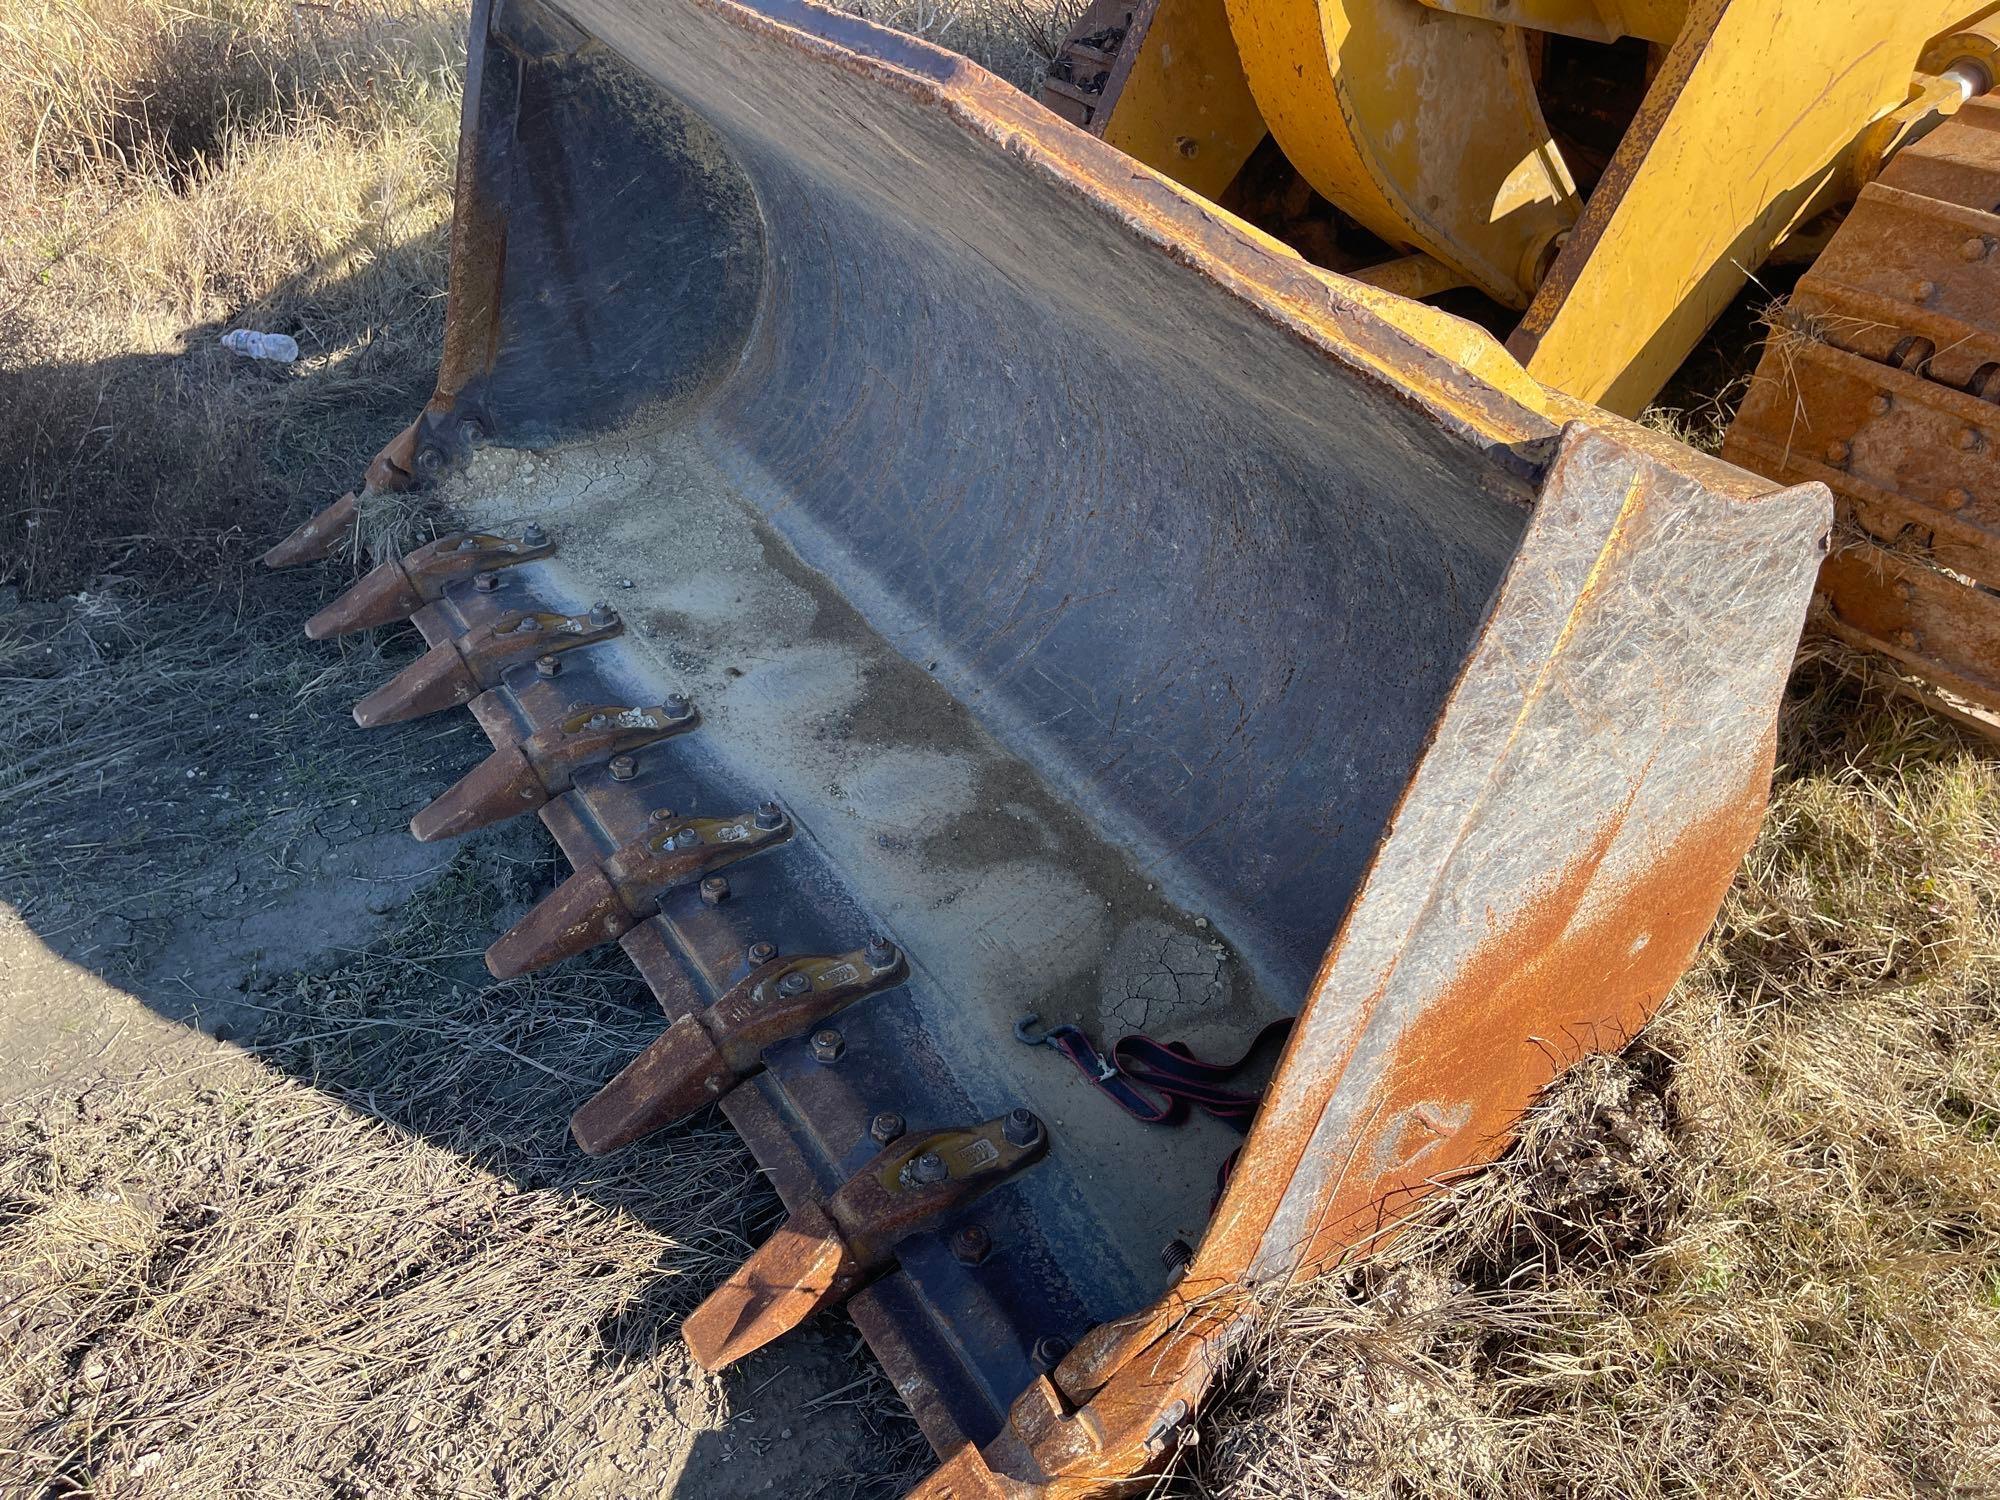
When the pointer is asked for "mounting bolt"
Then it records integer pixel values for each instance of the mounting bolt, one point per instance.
(1923, 291)
(527, 625)
(714, 890)
(676, 706)
(1176, 1255)
(769, 816)
(1958, 499)
(971, 1244)
(1971, 440)
(1047, 1353)
(880, 951)
(1021, 1127)
(602, 614)
(1838, 452)
(827, 1046)
(623, 767)
(547, 666)
(1976, 248)
(1880, 402)
(927, 1170)
(486, 582)
(471, 430)
(662, 815)
(761, 952)
(532, 535)
(687, 838)
(429, 460)
(885, 1127)
(795, 984)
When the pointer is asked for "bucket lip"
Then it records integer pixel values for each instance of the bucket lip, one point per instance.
(1457, 374)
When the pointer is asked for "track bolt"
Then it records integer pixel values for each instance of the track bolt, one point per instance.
(927, 1170)
(532, 535)
(1880, 403)
(769, 816)
(548, 666)
(676, 706)
(1958, 499)
(795, 984)
(1923, 291)
(827, 1046)
(624, 767)
(1837, 453)
(1976, 248)
(602, 614)
(885, 1127)
(715, 890)
(1176, 1255)
(761, 952)
(881, 952)
(1048, 1353)
(971, 1244)
(1021, 1127)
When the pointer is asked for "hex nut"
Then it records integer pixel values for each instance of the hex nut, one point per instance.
(827, 1045)
(714, 890)
(927, 1170)
(795, 984)
(548, 666)
(1047, 1353)
(762, 951)
(1021, 1127)
(623, 767)
(486, 581)
(971, 1244)
(885, 1127)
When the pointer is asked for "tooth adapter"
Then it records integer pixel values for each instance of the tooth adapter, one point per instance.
(457, 671)
(704, 1055)
(403, 585)
(604, 902)
(520, 778)
(824, 1252)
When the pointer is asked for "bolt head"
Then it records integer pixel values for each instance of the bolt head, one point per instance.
(472, 430)
(429, 459)
(769, 816)
(527, 625)
(1958, 499)
(1976, 248)
(881, 952)
(1021, 1127)
(624, 767)
(662, 815)
(547, 666)
(1923, 291)
(885, 1127)
(677, 706)
(486, 582)
(602, 614)
(761, 952)
(927, 1170)
(795, 984)
(532, 535)
(1048, 1353)
(1971, 440)
(715, 890)
(1879, 403)
(971, 1244)
(827, 1045)
(1837, 453)
(686, 838)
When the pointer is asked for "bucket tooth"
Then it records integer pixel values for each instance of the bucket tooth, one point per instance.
(437, 680)
(601, 904)
(523, 777)
(704, 1055)
(403, 585)
(822, 1253)
(456, 671)
(320, 537)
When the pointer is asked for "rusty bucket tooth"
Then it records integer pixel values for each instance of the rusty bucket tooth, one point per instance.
(320, 537)
(522, 778)
(382, 596)
(437, 680)
(601, 904)
(583, 912)
(703, 1056)
(499, 787)
(821, 1254)
(670, 1080)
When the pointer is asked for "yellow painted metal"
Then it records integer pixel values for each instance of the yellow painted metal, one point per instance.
(1422, 125)
(1184, 108)
(1592, 20)
(1745, 131)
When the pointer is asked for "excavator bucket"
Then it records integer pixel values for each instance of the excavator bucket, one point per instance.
(997, 638)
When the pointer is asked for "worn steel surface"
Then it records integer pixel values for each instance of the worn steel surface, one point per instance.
(1134, 624)
(1882, 383)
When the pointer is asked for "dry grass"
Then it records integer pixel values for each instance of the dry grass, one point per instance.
(1759, 1253)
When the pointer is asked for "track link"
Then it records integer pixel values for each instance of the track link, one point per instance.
(1883, 381)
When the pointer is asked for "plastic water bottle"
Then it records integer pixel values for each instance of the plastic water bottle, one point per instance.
(277, 347)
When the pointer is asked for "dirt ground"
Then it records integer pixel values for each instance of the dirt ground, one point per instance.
(287, 1203)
